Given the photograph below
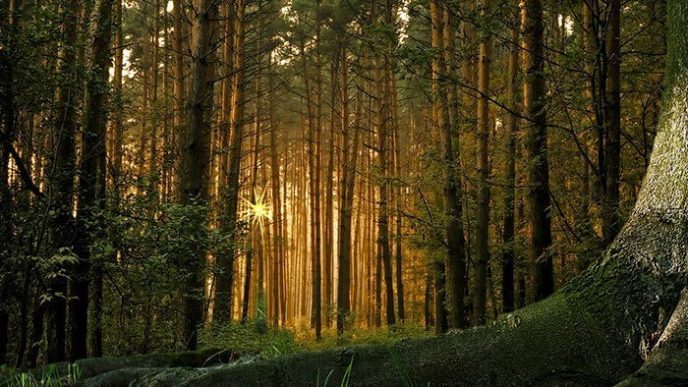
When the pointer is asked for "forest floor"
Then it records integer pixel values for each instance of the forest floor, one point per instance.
(237, 343)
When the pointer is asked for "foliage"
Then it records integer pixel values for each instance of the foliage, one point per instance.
(50, 376)
(279, 341)
(250, 338)
(157, 252)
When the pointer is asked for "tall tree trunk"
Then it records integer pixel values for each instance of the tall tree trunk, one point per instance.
(314, 129)
(611, 219)
(117, 116)
(329, 194)
(482, 259)
(534, 105)
(145, 135)
(225, 262)
(93, 180)
(439, 122)
(7, 17)
(155, 117)
(508, 231)
(178, 84)
(195, 163)
(277, 226)
(456, 243)
(61, 180)
(396, 143)
(348, 179)
(384, 98)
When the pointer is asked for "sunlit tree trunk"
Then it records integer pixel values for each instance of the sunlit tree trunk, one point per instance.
(225, 261)
(329, 195)
(277, 227)
(349, 155)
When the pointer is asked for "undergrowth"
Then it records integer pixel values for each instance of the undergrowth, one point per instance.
(272, 342)
(49, 376)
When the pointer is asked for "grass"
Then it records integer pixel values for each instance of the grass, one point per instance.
(271, 342)
(49, 376)
(250, 338)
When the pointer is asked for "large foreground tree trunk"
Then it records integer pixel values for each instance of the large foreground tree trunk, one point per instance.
(195, 162)
(597, 330)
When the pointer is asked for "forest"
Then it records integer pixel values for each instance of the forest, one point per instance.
(353, 192)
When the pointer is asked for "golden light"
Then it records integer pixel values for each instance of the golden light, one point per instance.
(257, 209)
(260, 211)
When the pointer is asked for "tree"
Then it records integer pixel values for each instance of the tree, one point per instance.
(383, 83)
(482, 260)
(195, 162)
(313, 123)
(347, 181)
(61, 182)
(455, 269)
(178, 81)
(7, 17)
(612, 115)
(534, 105)
(225, 261)
(92, 183)
(508, 231)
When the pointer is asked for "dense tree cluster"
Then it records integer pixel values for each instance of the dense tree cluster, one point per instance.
(172, 167)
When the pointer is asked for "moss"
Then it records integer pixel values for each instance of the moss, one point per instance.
(206, 357)
(552, 342)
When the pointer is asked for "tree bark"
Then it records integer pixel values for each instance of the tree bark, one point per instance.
(534, 105)
(482, 259)
(611, 219)
(348, 179)
(195, 162)
(508, 231)
(383, 120)
(329, 196)
(225, 261)
(61, 180)
(178, 85)
(88, 315)
(117, 113)
(7, 17)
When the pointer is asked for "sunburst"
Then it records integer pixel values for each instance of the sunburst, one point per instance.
(257, 210)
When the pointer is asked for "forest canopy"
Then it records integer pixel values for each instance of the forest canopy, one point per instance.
(278, 176)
